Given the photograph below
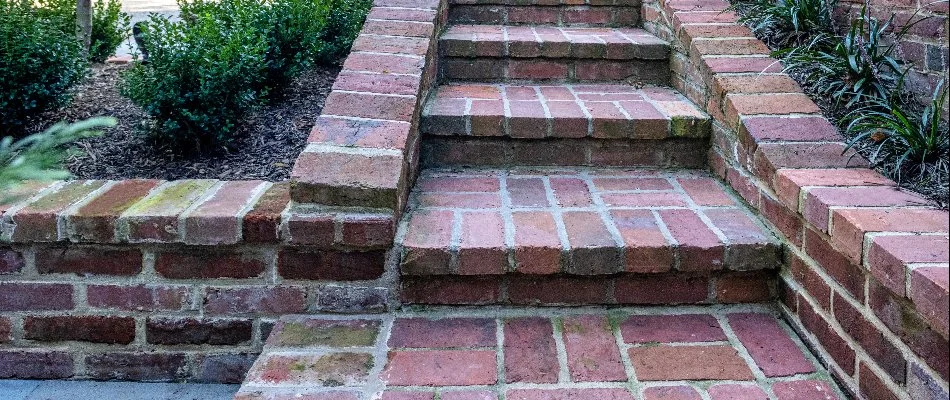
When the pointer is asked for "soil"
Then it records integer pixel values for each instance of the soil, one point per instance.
(269, 140)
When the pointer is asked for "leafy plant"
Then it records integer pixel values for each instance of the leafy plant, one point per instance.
(861, 66)
(787, 22)
(110, 27)
(200, 80)
(40, 156)
(916, 142)
(343, 25)
(39, 63)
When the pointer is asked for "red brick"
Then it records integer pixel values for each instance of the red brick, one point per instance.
(5, 329)
(137, 366)
(688, 363)
(530, 290)
(901, 318)
(310, 229)
(644, 199)
(699, 247)
(459, 184)
(425, 246)
(786, 221)
(730, 391)
(873, 387)
(750, 247)
(571, 192)
(671, 329)
(592, 352)
(846, 273)
(328, 174)
(929, 292)
(156, 217)
(769, 345)
(751, 287)
(35, 364)
(769, 157)
(850, 225)
(95, 221)
(37, 222)
(254, 300)
(788, 182)
(367, 230)
(200, 263)
(527, 120)
(719, 46)
(803, 390)
(217, 220)
(441, 368)
(330, 265)
(872, 340)
(400, 395)
(568, 394)
(315, 331)
(790, 129)
(706, 192)
(84, 260)
(888, 256)
(682, 392)
(391, 44)
(177, 331)
(451, 290)
(86, 328)
(362, 133)
(468, 395)
(368, 105)
(482, 247)
(537, 245)
(400, 14)
(223, 368)
(839, 349)
(487, 117)
(664, 289)
(370, 82)
(530, 353)
(527, 192)
(261, 222)
(11, 261)
(137, 297)
(721, 65)
(382, 64)
(570, 120)
(813, 284)
(593, 249)
(818, 201)
(647, 249)
(442, 333)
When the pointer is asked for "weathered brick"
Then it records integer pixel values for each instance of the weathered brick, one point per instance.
(155, 218)
(223, 368)
(37, 222)
(699, 247)
(817, 201)
(680, 392)
(137, 297)
(137, 366)
(302, 331)
(592, 352)
(203, 264)
(218, 219)
(664, 289)
(176, 331)
(840, 350)
(658, 363)
(331, 265)
(254, 300)
(86, 328)
(316, 230)
(88, 260)
(442, 333)
(453, 290)
(872, 340)
(425, 246)
(849, 226)
(537, 246)
(530, 351)
(769, 345)
(367, 230)
(804, 389)
(441, 368)
(671, 329)
(567, 394)
(22, 296)
(748, 287)
(531, 290)
(340, 176)
(887, 257)
(96, 220)
(261, 221)
(929, 292)
(11, 261)
(35, 364)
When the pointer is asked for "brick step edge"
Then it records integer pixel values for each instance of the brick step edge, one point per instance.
(557, 15)
(505, 152)
(660, 289)
(653, 72)
(190, 212)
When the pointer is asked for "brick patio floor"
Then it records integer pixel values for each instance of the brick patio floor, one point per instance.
(717, 352)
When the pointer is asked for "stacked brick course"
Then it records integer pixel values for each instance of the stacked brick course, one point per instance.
(867, 274)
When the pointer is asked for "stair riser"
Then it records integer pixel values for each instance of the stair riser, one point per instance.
(657, 289)
(554, 70)
(501, 152)
(567, 15)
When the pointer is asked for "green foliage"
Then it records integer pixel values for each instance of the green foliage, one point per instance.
(787, 22)
(110, 26)
(40, 156)
(861, 66)
(200, 80)
(907, 140)
(224, 57)
(39, 63)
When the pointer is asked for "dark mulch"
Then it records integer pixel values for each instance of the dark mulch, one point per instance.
(270, 139)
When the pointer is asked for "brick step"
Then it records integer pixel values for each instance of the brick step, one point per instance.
(571, 225)
(549, 14)
(497, 53)
(590, 124)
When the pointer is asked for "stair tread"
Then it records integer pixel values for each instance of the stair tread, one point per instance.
(579, 221)
(464, 40)
(562, 111)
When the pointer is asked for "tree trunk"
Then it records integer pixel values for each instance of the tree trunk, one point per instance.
(84, 22)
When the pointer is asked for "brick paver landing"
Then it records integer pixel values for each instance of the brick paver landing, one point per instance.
(736, 352)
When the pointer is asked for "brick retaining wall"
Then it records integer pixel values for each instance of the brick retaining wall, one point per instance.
(866, 275)
(163, 281)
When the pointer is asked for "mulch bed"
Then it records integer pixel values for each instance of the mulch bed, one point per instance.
(269, 140)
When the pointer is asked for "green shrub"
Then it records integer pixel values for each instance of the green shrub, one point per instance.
(110, 26)
(909, 141)
(200, 80)
(40, 156)
(39, 63)
(861, 66)
(343, 25)
(787, 22)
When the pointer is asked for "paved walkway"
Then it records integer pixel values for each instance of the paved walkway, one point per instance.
(89, 390)
(720, 352)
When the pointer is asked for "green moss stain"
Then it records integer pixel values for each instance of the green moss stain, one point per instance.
(174, 197)
(300, 334)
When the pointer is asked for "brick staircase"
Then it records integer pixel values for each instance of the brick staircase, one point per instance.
(558, 168)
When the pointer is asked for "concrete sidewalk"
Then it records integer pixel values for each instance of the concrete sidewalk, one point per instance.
(92, 390)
